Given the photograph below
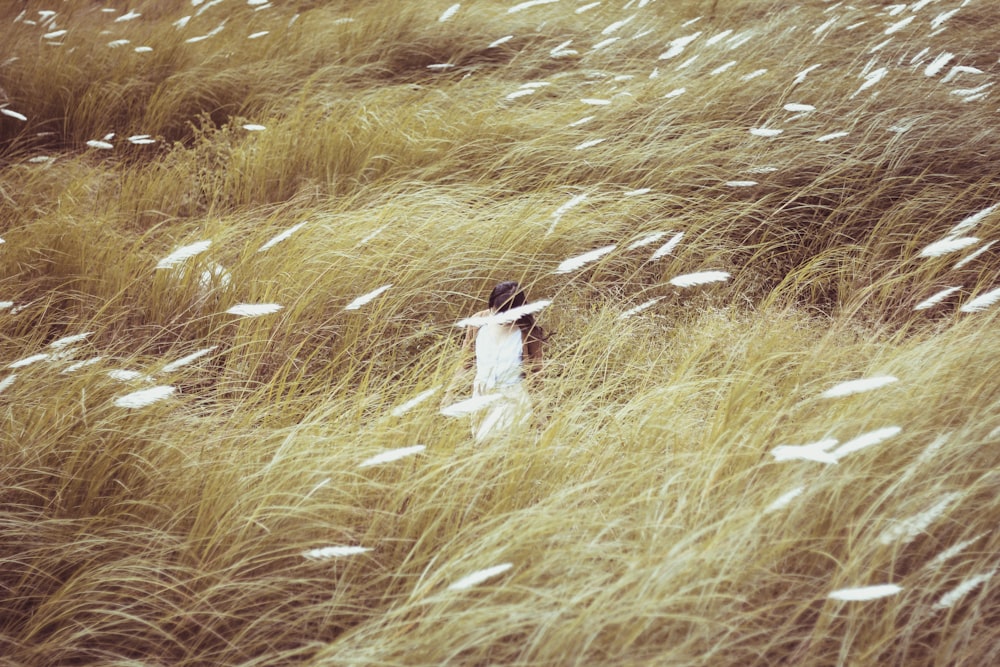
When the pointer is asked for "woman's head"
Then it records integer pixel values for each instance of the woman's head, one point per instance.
(505, 296)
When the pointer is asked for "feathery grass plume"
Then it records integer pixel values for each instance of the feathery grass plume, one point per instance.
(740, 184)
(588, 144)
(497, 42)
(370, 236)
(470, 405)
(646, 240)
(254, 309)
(638, 309)
(899, 25)
(128, 16)
(326, 553)
(858, 386)
(863, 593)
(784, 500)
(797, 107)
(595, 101)
(141, 139)
(10, 113)
(614, 27)
(722, 68)
(905, 531)
(123, 375)
(66, 341)
(866, 440)
(115, 43)
(27, 361)
(814, 451)
(587, 7)
(392, 455)
(7, 381)
(99, 144)
(801, 76)
(968, 584)
(982, 302)
(450, 12)
(55, 34)
(574, 263)
(403, 408)
(4, 305)
(258, 34)
(505, 316)
(81, 364)
(637, 192)
(676, 92)
(715, 39)
(871, 79)
(765, 131)
(939, 20)
(144, 397)
(936, 298)
(281, 237)
(699, 278)
(667, 247)
(479, 576)
(932, 449)
(577, 123)
(521, 92)
(604, 42)
(960, 69)
(753, 75)
(831, 136)
(527, 5)
(971, 221)
(577, 199)
(183, 253)
(945, 246)
(366, 298)
(938, 64)
(561, 50)
(823, 27)
(687, 63)
(184, 361)
(966, 260)
(678, 45)
(559, 212)
(953, 551)
(254, 127)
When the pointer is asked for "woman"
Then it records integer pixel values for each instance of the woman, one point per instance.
(503, 352)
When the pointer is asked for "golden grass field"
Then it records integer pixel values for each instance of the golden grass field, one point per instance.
(237, 237)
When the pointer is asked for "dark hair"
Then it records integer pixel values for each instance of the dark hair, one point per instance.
(507, 295)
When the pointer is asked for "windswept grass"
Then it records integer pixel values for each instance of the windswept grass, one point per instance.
(237, 240)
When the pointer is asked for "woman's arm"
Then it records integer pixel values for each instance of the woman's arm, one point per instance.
(469, 342)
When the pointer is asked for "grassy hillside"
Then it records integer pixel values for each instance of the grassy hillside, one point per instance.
(237, 237)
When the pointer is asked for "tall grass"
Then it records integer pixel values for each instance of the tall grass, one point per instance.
(244, 462)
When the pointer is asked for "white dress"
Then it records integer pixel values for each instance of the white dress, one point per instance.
(499, 353)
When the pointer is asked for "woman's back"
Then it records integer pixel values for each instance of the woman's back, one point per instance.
(498, 356)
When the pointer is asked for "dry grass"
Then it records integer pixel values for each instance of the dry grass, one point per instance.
(644, 516)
